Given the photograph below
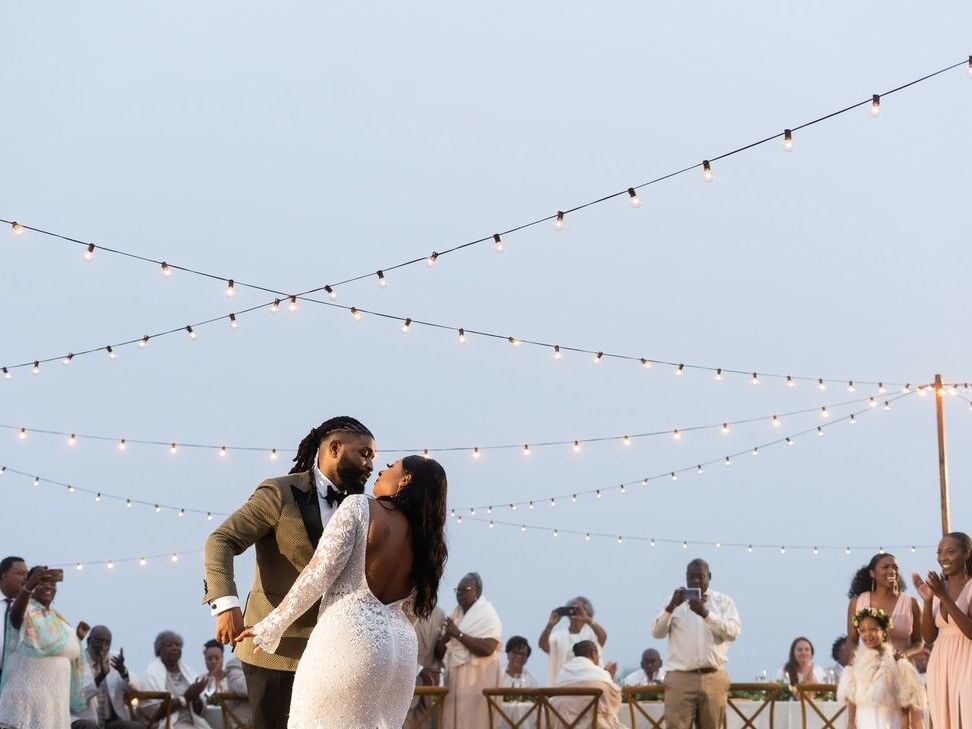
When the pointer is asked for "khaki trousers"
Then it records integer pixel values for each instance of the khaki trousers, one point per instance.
(700, 696)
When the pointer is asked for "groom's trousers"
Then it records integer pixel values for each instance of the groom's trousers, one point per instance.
(269, 693)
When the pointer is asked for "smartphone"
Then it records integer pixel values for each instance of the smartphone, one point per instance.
(56, 575)
(567, 611)
(691, 593)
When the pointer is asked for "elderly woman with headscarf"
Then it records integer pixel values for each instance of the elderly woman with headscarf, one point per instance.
(169, 674)
(470, 648)
(559, 645)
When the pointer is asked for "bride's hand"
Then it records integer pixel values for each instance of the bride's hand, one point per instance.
(247, 633)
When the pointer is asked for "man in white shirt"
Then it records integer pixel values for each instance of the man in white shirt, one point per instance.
(699, 632)
(651, 670)
(13, 575)
(107, 679)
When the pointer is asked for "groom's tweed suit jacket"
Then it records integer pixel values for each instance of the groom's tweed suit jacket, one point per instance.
(283, 520)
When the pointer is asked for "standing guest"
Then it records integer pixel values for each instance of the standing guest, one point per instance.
(880, 690)
(651, 670)
(225, 678)
(428, 630)
(168, 673)
(947, 622)
(879, 584)
(42, 683)
(799, 667)
(283, 520)
(515, 675)
(13, 575)
(470, 646)
(108, 680)
(584, 671)
(841, 653)
(699, 633)
(581, 626)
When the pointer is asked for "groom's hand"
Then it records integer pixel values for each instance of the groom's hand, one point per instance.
(229, 624)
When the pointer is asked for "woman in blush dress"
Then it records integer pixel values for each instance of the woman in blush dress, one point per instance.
(879, 584)
(377, 564)
(947, 621)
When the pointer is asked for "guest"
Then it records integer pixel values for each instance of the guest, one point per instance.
(42, 683)
(841, 653)
(469, 645)
(581, 626)
(515, 674)
(920, 661)
(799, 667)
(879, 584)
(880, 690)
(583, 671)
(13, 575)
(427, 631)
(225, 679)
(651, 670)
(168, 673)
(699, 633)
(107, 680)
(946, 621)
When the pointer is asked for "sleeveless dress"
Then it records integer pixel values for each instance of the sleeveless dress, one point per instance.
(902, 618)
(358, 669)
(950, 669)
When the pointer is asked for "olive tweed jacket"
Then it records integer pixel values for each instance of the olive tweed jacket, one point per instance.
(282, 519)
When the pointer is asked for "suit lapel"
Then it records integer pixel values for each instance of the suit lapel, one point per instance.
(310, 509)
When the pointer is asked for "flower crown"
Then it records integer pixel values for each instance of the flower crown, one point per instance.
(877, 614)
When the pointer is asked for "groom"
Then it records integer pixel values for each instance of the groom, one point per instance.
(284, 518)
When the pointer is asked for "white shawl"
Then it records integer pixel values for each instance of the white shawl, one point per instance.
(562, 648)
(877, 679)
(155, 676)
(479, 621)
(580, 669)
(581, 672)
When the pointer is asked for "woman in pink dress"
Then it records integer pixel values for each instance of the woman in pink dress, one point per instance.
(879, 584)
(948, 623)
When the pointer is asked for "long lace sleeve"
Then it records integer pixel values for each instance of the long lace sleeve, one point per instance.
(332, 554)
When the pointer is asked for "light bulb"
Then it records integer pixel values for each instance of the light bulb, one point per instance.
(209, 516)
(330, 292)
(597, 357)
(620, 540)
(553, 502)
(776, 421)
(292, 304)
(728, 461)
(72, 439)
(906, 388)
(559, 220)
(355, 314)
(491, 525)
(233, 321)
(790, 382)
(173, 448)
(557, 353)
(231, 287)
(707, 171)
(646, 363)
(725, 428)
(700, 469)
(680, 370)
(750, 549)
(816, 551)
(853, 420)
(497, 243)
(887, 405)
(824, 413)
(142, 562)
(174, 558)
(875, 108)
(577, 446)
(968, 70)
(881, 388)
(627, 441)
(222, 451)
(89, 252)
(23, 434)
(633, 197)
(850, 386)
(676, 435)
(526, 450)
(191, 332)
(17, 228)
(37, 483)
(425, 453)
(111, 352)
(755, 450)
(782, 550)
(718, 375)
(273, 454)
(36, 368)
(674, 476)
(166, 269)
(122, 445)
(110, 565)
(476, 453)
(871, 402)
(820, 431)
(514, 341)
(67, 359)
(787, 140)
(597, 493)
(789, 440)
(6, 374)
(128, 503)
(821, 385)
(157, 508)
(143, 342)
(754, 379)
(97, 497)
(382, 281)
(684, 545)
(79, 566)
(462, 336)
(182, 512)
(406, 325)
(431, 260)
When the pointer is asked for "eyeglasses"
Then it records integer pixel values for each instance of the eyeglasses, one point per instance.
(457, 590)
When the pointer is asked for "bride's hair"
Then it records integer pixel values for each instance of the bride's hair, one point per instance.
(423, 502)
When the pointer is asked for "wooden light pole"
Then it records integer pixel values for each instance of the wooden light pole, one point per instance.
(942, 454)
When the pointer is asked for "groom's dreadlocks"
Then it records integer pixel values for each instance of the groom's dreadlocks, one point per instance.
(307, 450)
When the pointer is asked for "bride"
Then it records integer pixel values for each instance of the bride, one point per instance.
(378, 565)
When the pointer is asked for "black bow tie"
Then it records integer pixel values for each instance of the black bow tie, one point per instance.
(333, 497)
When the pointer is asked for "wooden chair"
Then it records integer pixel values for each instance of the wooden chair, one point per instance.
(590, 709)
(134, 698)
(494, 702)
(770, 691)
(808, 698)
(231, 720)
(634, 695)
(430, 707)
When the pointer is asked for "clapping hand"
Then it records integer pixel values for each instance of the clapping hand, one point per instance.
(450, 628)
(611, 667)
(936, 585)
(118, 663)
(193, 692)
(922, 587)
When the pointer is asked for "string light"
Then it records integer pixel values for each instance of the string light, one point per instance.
(382, 281)
(143, 342)
(875, 108)
(559, 220)
(23, 434)
(111, 353)
(680, 370)
(577, 445)
(725, 428)
(273, 454)
(431, 260)
(230, 287)
(191, 332)
(476, 453)
(122, 445)
(89, 252)
(718, 375)
(676, 435)
(497, 243)
(166, 269)
(406, 325)
(824, 413)
(35, 370)
(67, 359)
(233, 321)
(820, 431)
(707, 171)
(526, 450)
(850, 386)
(776, 421)
(597, 357)
(72, 439)
(37, 483)
(332, 294)
(626, 440)
(633, 197)
(787, 140)
(355, 314)
(790, 381)
(18, 229)
(292, 305)
(462, 336)
(821, 384)
(6, 374)
(754, 379)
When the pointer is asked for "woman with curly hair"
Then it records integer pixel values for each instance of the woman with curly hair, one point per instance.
(879, 584)
(881, 691)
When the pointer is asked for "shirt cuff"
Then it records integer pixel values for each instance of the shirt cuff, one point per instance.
(222, 604)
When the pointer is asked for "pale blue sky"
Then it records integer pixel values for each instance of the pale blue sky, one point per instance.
(296, 144)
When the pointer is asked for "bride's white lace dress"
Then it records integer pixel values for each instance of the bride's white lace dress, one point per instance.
(358, 670)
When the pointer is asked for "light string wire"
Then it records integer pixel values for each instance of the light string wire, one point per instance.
(456, 512)
(122, 444)
(142, 560)
(557, 217)
(699, 467)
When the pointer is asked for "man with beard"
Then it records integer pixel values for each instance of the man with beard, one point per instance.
(284, 518)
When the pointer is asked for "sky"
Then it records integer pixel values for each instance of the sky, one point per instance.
(296, 144)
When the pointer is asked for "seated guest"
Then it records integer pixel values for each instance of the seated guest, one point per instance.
(106, 679)
(840, 651)
(168, 673)
(13, 575)
(470, 647)
(225, 679)
(920, 661)
(42, 680)
(799, 668)
(581, 626)
(515, 674)
(651, 670)
(583, 671)
(429, 668)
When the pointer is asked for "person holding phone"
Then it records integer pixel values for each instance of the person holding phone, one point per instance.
(700, 624)
(37, 683)
(559, 644)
